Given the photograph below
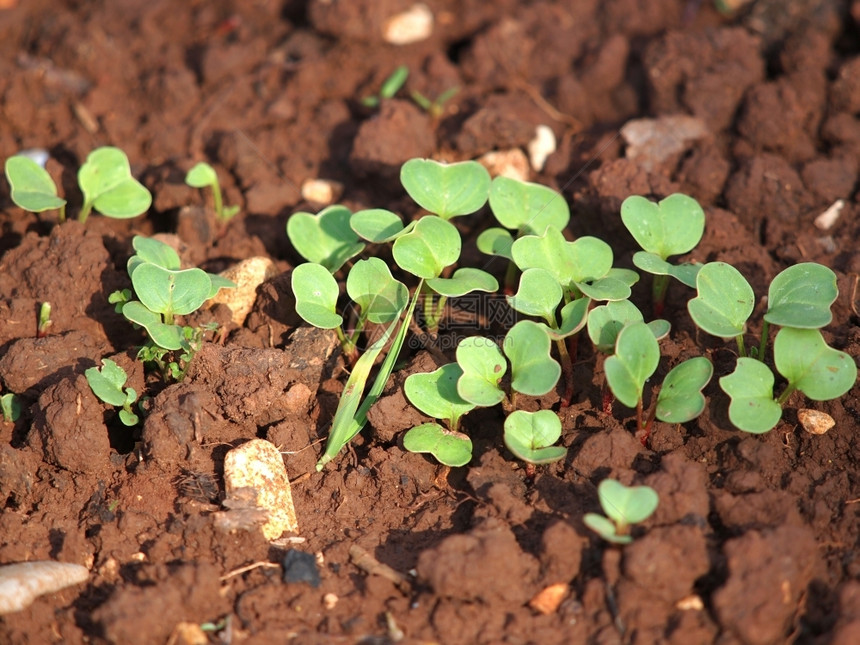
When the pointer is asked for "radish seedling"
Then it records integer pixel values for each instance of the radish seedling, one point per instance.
(435, 108)
(530, 435)
(623, 505)
(107, 384)
(446, 190)
(325, 238)
(10, 407)
(104, 179)
(45, 321)
(202, 175)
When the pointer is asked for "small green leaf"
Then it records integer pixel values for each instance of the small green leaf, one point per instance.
(376, 225)
(448, 190)
(428, 248)
(604, 527)
(634, 361)
(681, 399)
(526, 207)
(325, 238)
(316, 295)
(217, 283)
(610, 289)
(32, 186)
(165, 336)
(483, 367)
(533, 371)
(496, 241)
(106, 182)
(449, 448)
(371, 286)
(394, 82)
(435, 394)
(626, 505)
(154, 251)
(201, 175)
(465, 280)
(585, 260)
(573, 319)
(128, 418)
(530, 435)
(108, 382)
(724, 302)
(652, 263)
(671, 227)
(811, 365)
(750, 388)
(801, 297)
(170, 292)
(10, 407)
(538, 295)
(606, 321)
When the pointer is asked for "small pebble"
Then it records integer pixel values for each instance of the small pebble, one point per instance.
(689, 603)
(248, 275)
(21, 584)
(828, 218)
(547, 600)
(301, 567)
(257, 464)
(650, 142)
(541, 147)
(411, 26)
(815, 422)
(512, 164)
(330, 600)
(321, 192)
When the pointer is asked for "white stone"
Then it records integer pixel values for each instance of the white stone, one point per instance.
(512, 164)
(650, 142)
(411, 26)
(541, 147)
(21, 584)
(321, 192)
(248, 275)
(815, 422)
(828, 218)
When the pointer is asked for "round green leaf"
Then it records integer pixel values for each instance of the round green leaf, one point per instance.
(801, 297)
(530, 435)
(154, 251)
(681, 399)
(428, 248)
(128, 418)
(750, 388)
(634, 361)
(483, 367)
(449, 448)
(610, 289)
(573, 317)
(170, 292)
(435, 394)
(652, 263)
(606, 321)
(465, 280)
(325, 238)
(31, 185)
(533, 371)
(724, 302)
(107, 382)
(626, 505)
(585, 260)
(201, 176)
(811, 365)
(448, 190)
(106, 182)
(496, 241)
(165, 336)
(371, 286)
(376, 225)
(316, 295)
(538, 295)
(671, 227)
(604, 527)
(526, 207)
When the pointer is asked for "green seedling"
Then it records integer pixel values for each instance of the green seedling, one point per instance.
(202, 175)
(325, 238)
(435, 108)
(45, 321)
(530, 435)
(623, 506)
(108, 384)
(435, 394)
(10, 407)
(446, 190)
(807, 363)
(105, 181)
(673, 226)
(724, 302)
(390, 86)
(680, 398)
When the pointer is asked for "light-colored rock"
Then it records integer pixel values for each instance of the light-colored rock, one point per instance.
(541, 147)
(248, 275)
(650, 142)
(411, 26)
(512, 164)
(548, 599)
(828, 218)
(815, 422)
(22, 583)
(321, 192)
(257, 464)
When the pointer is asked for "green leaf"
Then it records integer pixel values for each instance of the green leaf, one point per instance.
(526, 207)
(538, 295)
(106, 182)
(428, 248)
(128, 418)
(165, 336)
(155, 252)
(371, 286)
(584, 260)
(108, 382)
(376, 225)
(671, 227)
(325, 238)
(435, 394)
(801, 297)
(217, 283)
(634, 361)
(533, 371)
(750, 388)
(573, 319)
(449, 448)
(496, 241)
(530, 435)
(465, 280)
(605, 528)
(724, 302)
(652, 263)
(626, 505)
(681, 399)
(811, 365)
(31, 185)
(606, 321)
(607, 288)
(448, 190)
(170, 292)
(10, 407)
(394, 82)
(483, 367)
(201, 175)
(316, 295)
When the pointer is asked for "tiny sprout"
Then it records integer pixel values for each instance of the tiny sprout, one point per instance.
(390, 86)
(435, 108)
(203, 175)
(44, 320)
(107, 384)
(623, 505)
(10, 407)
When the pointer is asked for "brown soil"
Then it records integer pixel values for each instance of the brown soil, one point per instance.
(755, 539)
